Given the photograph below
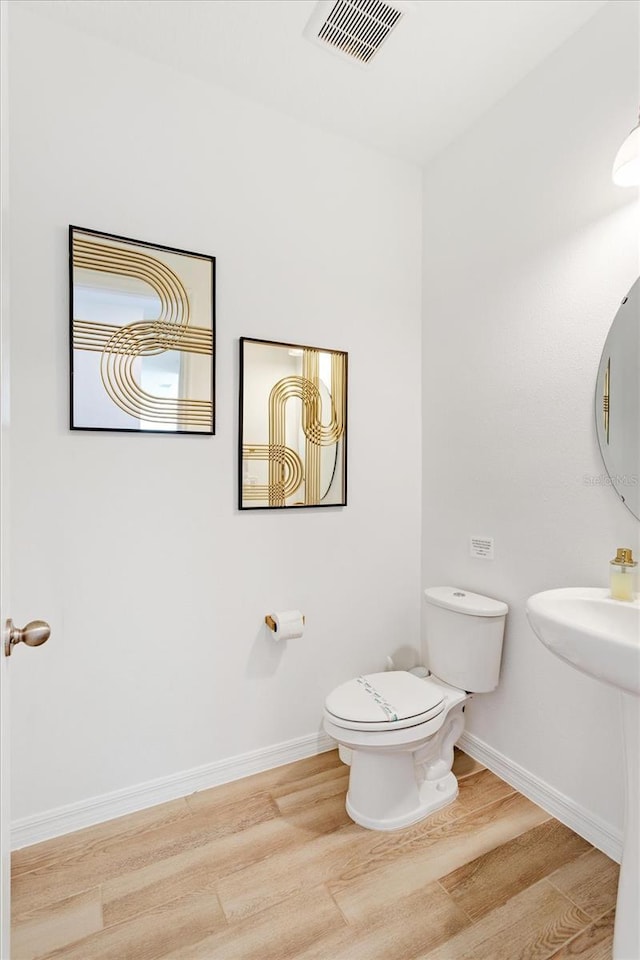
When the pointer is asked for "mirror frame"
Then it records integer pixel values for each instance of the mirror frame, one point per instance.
(622, 475)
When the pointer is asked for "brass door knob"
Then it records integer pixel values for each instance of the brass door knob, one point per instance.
(35, 633)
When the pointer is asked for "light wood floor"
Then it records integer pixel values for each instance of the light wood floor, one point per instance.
(272, 868)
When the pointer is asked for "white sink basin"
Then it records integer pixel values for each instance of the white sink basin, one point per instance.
(601, 637)
(597, 635)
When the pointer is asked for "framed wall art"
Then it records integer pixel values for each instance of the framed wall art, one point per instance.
(293, 426)
(142, 320)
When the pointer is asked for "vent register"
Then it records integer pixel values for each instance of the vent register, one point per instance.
(356, 29)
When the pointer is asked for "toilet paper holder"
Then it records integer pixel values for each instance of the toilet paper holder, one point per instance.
(270, 622)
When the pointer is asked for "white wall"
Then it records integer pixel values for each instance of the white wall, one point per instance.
(131, 546)
(528, 249)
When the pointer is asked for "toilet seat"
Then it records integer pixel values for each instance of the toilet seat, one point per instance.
(388, 701)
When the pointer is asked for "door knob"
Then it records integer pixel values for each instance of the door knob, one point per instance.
(35, 633)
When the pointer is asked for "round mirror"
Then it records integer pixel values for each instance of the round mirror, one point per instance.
(618, 401)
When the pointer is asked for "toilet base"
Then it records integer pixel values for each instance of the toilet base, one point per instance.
(395, 787)
(431, 796)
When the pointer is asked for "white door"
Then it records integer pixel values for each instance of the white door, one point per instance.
(36, 632)
(5, 851)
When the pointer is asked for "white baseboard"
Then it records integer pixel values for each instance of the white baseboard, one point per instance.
(87, 813)
(595, 830)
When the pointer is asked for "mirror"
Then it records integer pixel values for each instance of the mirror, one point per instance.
(618, 401)
(142, 336)
(293, 410)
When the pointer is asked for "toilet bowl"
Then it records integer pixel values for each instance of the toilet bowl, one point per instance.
(397, 731)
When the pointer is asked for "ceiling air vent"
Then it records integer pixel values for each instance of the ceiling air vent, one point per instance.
(355, 29)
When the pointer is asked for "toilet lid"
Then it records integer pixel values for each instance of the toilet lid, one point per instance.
(384, 701)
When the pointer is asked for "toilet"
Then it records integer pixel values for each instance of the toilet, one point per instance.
(397, 730)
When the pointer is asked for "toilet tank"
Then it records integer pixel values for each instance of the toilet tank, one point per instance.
(464, 633)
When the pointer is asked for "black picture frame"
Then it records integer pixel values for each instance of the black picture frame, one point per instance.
(291, 455)
(142, 325)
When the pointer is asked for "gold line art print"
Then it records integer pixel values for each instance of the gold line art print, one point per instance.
(293, 426)
(142, 336)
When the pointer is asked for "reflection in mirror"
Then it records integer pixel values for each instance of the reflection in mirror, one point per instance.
(618, 401)
(293, 407)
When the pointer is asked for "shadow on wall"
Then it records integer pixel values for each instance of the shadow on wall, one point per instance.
(404, 657)
(265, 654)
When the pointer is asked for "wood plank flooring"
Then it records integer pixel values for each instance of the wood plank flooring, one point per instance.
(272, 868)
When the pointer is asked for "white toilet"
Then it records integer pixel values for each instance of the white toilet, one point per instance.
(397, 730)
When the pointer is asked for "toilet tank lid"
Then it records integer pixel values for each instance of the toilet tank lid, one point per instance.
(463, 601)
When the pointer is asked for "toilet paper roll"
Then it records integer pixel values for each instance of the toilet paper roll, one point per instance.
(289, 624)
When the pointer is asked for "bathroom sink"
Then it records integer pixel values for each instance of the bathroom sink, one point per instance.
(601, 637)
(597, 635)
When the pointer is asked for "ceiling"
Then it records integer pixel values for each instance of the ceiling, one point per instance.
(445, 64)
